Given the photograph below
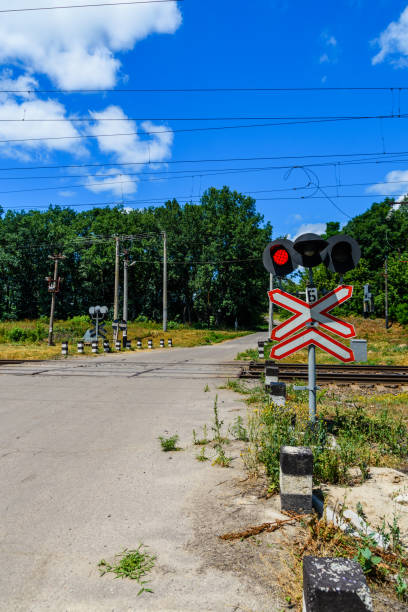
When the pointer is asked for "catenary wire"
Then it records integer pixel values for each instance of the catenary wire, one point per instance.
(76, 6)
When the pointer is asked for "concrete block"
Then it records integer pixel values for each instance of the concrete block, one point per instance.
(277, 392)
(334, 584)
(296, 479)
(359, 348)
(271, 374)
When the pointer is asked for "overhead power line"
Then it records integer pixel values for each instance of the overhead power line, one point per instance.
(76, 6)
(377, 154)
(199, 129)
(208, 89)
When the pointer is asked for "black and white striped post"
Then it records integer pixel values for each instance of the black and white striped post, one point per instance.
(271, 373)
(261, 353)
(106, 347)
(277, 392)
(161, 342)
(295, 479)
(334, 583)
(64, 348)
(139, 343)
(80, 347)
(169, 342)
(118, 345)
(150, 344)
(128, 344)
(95, 346)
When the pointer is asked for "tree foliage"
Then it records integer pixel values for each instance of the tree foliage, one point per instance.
(214, 259)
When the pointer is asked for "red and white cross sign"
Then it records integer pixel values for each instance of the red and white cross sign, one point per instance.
(312, 316)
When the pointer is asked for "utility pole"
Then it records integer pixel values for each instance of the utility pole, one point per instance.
(386, 290)
(125, 295)
(53, 288)
(164, 281)
(116, 294)
(270, 326)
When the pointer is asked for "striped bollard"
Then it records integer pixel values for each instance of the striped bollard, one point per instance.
(64, 349)
(106, 347)
(162, 343)
(139, 344)
(295, 479)
(128, 344)
(170, 342)
(150, 344)
(271, 374)
(261, 353)
(80, 347)
(118, 345)
(334, 583)
(95, 346)
(277, 392)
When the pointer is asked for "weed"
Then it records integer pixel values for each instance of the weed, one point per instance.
(202, 456)
(238, 430)
(170, 443)
(134, 565)
(221, 458)
(401, 586)
(367, 559)
(206, 388)
(203, 440)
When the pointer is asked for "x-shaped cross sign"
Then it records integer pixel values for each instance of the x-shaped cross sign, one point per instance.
(318, 312)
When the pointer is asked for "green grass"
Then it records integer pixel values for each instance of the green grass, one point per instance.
(134, 564)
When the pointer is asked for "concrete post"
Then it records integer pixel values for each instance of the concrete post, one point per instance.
(334, 584)
(271, 374)
(139, 344)
(162, 343)
(95, 346)
(296, 474)
(277, 392)
(118, 345)
(80, 347)
(128, 344)
(169, 342)
(150, 344)
(106, 346)
(64, 349)
(261, 353)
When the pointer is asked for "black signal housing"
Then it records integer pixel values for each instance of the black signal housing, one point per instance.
(341, 254)
(280, 258)
(309, 247)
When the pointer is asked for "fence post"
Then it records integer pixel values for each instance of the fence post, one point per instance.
(295, 479)
(334, 584)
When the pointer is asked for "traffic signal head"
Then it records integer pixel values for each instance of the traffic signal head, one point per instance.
(309, 248)
(279, 258)
(341, 254)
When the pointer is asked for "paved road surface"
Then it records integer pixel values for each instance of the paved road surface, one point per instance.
(82, 476)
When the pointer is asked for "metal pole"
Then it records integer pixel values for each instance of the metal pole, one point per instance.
(386, 290)
(97, 327)
(312, 369)
(125, 297)
(116, 290)
(51, 327)
(164, 281)
(270, 326)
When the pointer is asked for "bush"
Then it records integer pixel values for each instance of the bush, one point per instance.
(16, 334)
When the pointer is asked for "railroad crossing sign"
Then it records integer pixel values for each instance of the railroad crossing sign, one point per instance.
(312, 316)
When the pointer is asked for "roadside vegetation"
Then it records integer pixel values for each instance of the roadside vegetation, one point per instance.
(28, 339)
(354, 433)
(134, 564)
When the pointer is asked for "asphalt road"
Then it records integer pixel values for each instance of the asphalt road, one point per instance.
(83, 476)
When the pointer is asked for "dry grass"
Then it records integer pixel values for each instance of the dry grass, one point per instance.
(66, 330)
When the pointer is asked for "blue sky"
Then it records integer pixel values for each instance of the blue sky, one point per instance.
(176, 45)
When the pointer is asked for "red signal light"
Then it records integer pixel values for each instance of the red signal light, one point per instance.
(280, 257)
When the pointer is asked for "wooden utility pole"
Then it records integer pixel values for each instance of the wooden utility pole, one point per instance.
(386, 290)
(164, 281)
(125, 295)
(53, 288)
(116, 290)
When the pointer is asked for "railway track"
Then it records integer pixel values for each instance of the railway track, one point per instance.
(335, 374)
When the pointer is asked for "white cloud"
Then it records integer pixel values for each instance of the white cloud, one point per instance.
(120, 185)
(324, 78)
(324, 58)
(28, 106)
(393, 41)
(309, 228)
(395, 184)
(77, 48)
(331, 41)
(131, 148)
